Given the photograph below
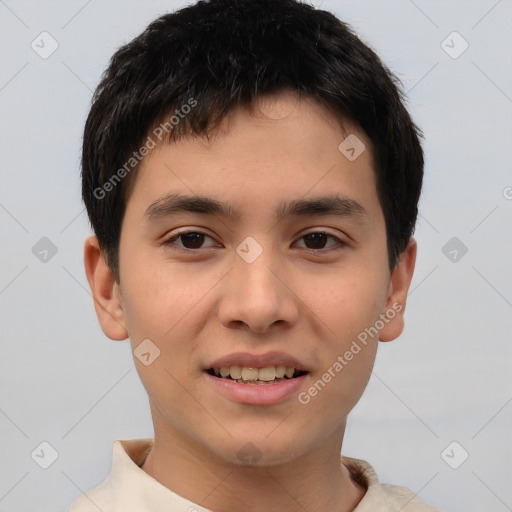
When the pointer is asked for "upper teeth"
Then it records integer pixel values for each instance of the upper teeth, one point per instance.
(267, 374)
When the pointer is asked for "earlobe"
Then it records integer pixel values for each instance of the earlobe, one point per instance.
(397, 296)
(105, 291)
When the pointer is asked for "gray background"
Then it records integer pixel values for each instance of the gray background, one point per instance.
(447, 379)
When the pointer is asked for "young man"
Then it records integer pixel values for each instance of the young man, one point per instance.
(252, 178)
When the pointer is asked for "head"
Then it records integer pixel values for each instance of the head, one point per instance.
(280, 143)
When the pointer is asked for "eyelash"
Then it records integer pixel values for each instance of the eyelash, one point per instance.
(170, 242)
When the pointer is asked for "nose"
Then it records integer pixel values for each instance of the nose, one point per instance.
(257, 297)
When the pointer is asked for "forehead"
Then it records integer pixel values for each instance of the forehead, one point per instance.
(280, 147)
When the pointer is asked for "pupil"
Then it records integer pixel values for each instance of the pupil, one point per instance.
(194, 239)
(317, 238)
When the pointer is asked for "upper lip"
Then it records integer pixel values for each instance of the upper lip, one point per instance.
(258, 360)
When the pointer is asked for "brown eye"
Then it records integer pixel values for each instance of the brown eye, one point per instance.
(318, 240)
(189, 240)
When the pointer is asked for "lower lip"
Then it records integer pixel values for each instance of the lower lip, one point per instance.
(257, 394)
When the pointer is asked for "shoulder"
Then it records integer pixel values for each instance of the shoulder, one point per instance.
(383, 497)
(406, 500)
(97, 498)
(122, 483)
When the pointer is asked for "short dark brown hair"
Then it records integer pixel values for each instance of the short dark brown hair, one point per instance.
(188, 70)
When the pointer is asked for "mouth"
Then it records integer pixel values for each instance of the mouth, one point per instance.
(268, 375)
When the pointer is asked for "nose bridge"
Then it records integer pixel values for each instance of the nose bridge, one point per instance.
(253, 279)
(255, 295)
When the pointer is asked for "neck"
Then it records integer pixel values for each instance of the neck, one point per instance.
(313, 481)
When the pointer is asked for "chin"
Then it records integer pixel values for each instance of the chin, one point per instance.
(259, 451)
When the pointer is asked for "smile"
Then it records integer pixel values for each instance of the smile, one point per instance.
(252, 390)
(250, 375)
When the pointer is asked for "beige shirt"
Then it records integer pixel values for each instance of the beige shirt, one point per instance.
(129, 489)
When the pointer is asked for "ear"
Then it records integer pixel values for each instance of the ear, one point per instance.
(105, 291)
(397, 295)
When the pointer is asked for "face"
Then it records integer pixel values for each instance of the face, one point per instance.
(264, 247)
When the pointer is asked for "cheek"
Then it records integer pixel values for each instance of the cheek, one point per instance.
(160, 296)
(347, 307)
(347, 301)
(166, 308)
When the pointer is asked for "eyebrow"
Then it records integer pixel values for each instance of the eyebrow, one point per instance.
(336, 205)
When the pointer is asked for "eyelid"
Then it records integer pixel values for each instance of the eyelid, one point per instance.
(320, 229)
(170, 239)
(340, 241)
